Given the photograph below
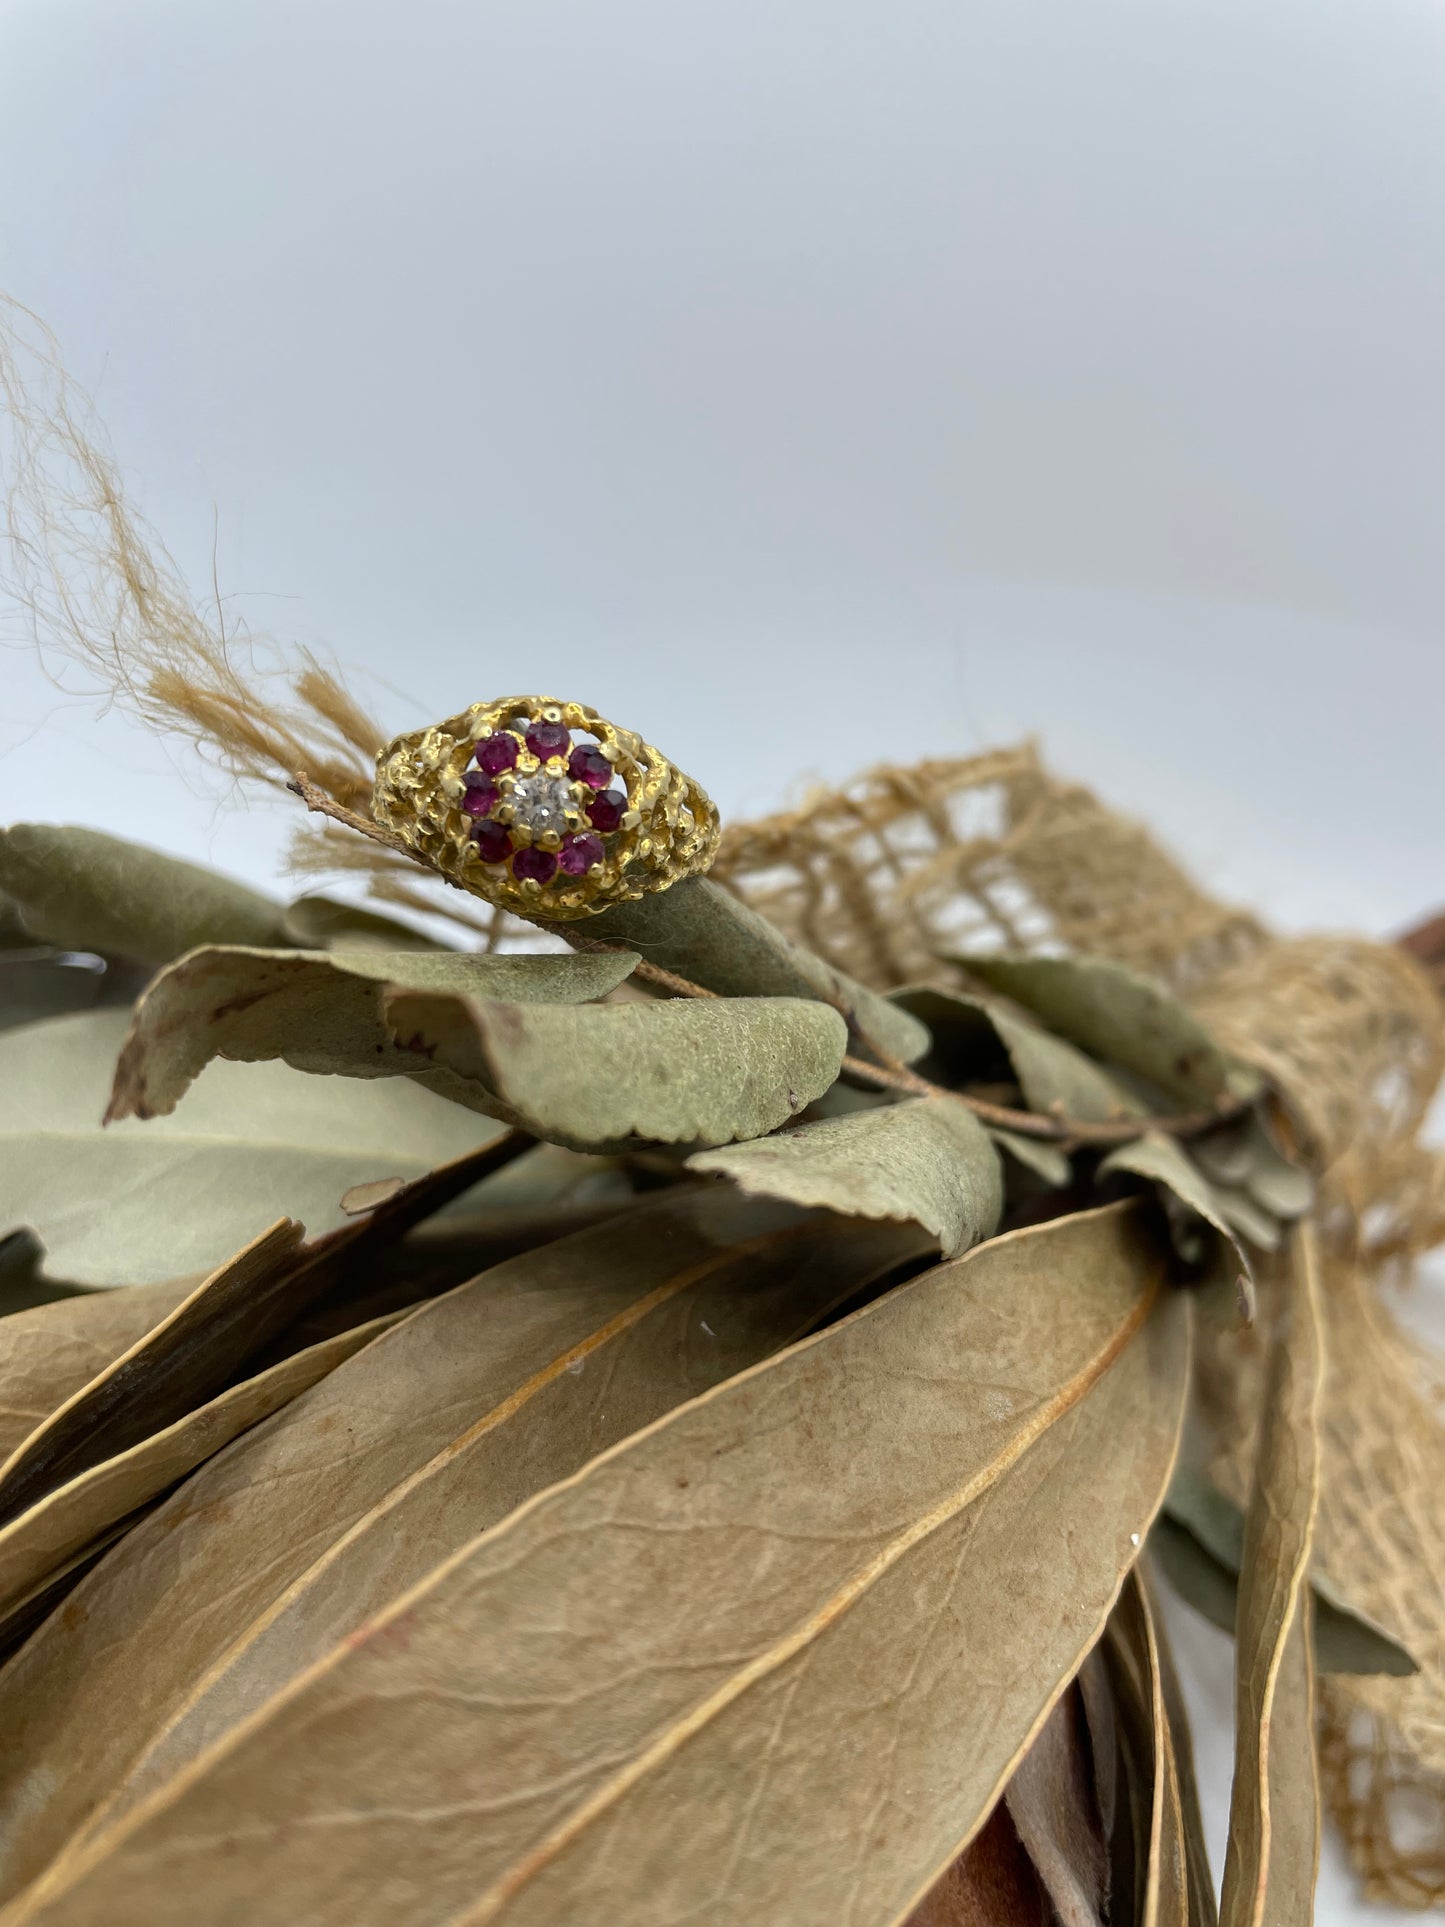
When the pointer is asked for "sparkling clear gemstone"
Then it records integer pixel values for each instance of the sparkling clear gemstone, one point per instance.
(540, 803)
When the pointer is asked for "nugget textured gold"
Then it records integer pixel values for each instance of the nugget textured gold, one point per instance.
(544, 807)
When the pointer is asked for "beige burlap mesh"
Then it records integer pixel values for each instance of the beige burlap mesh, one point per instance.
(889, 876)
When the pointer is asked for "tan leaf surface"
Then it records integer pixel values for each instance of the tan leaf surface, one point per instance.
(1273, 1853)
(41, 1540)
(770, 1616)
(1133, 1647)
(927, 1160)
(230, 1316)
(991, 1884)
(1053, 1804)
(47, 1354)
(459, 1412)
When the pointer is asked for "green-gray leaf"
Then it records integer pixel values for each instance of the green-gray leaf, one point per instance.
(1123, 1018)
(84, 890)
(1199, 1543)
(709, 936)
(1054, 1077)
(326, 923)
(321, 1011)
(137, 1202)
(1169, 1167)
(928, 1160)
(683, 1072)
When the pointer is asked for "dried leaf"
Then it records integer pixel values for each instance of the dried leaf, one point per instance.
(69, 1519)
(321, 1012)
(229, 1317)
(1036, 1154)
(969, 1033)
(686, 1072)
(991, 1884)
(1242, 1156)
(1052, 1803)
(140, 1202)
(40, 983)
(1199, 1541)
(1166, 1164)
(1166, 1887)
(83, 890)
(1203, 1903)
(327, 923)
(1123, 1019)
(50, 1352)
(1273, 1853)
(706, 934)
(817, 1548)
(927, 1160)
(317, 1519)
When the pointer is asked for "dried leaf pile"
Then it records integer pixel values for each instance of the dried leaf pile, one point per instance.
(693, 1427)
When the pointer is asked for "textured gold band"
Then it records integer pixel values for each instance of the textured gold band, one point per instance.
(544, 808)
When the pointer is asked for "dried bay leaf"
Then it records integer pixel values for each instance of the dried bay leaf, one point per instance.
(49, 1352)
(1123, 1018)
(1052, 1803)
(230, 1315)
(1168, 1891)
(701, 931)
(320, 1012)
(140, 1202)
(991, 1884)
(83, 890)
(684, 1072)
(1272, 1857)
(1036, 1154)
(457, 1413)
(1054, 1076)
(818, 1547)
(70, 1518)
(927, 1160)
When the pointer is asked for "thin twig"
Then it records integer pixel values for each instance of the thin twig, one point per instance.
(317, 799)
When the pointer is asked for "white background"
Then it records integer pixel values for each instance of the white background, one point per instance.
(805, 384)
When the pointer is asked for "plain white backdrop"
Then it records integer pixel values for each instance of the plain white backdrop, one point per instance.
(804, 384)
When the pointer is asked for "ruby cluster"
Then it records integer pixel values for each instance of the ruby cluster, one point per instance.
(571, 775)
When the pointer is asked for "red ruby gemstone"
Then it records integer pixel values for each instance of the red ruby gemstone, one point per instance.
(605, 812)
(494, 844)
(481, 795)
(539, 865)
(590, 766)
(498, 752)
(548, 739)
(579, 853)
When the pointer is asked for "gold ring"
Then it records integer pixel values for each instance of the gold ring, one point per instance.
(544, 808)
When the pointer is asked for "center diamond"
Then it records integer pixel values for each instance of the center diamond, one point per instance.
(540, 803)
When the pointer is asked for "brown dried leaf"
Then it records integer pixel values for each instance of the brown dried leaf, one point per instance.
(928, 1160)
(70, 1518)
(1162, 1863)
(1053, 1804)
(231, 1315)
(289, 1540)
(991, 1884)
(817, 1548)
(1273, 1853)
(47, 1354)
